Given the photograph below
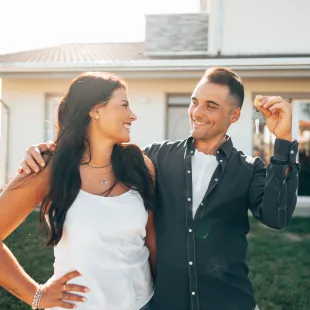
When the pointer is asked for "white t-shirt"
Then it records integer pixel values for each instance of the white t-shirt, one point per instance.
(203, 167)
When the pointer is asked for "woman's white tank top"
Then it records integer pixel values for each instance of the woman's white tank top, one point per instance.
(103, 239)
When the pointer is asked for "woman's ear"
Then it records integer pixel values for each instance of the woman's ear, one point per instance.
(94, 114)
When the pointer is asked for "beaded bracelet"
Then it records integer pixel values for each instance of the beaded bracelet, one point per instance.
(37, 297)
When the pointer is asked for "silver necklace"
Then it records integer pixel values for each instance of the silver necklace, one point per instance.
(98, 167)
(103, 181)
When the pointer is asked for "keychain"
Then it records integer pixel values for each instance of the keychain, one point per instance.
(256, 114)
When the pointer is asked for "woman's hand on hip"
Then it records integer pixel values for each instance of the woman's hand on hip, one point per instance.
(57, 293)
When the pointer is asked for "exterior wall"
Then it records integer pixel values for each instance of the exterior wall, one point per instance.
(26, 100)
(245, 27)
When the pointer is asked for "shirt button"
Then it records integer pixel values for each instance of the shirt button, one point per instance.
(221, 160)
(188, 171)
(217, 152)
(191, 263)
(193, 293)
(292, 152)
(192, 152)
(201, 204)
(190, 230)
(216, 180)
(188, 199)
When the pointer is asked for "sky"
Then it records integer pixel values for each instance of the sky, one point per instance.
(26, 25)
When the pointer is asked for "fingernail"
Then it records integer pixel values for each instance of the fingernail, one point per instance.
(36, 170)
(86, 289)
(84, 298)
(42, 164)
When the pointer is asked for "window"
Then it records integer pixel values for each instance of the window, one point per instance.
(4, 129)
(177, 119)
(51, 105)
(263, 140)
(301, 132)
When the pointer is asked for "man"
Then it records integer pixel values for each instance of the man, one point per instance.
(205, 188)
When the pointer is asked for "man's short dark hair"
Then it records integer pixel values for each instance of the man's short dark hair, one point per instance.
(227, 77)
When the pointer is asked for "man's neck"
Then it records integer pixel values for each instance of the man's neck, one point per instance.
(210, 146)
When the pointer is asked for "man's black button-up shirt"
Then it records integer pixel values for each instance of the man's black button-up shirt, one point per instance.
(201, 261)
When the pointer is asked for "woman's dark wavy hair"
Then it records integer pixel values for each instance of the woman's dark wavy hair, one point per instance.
(85, 92)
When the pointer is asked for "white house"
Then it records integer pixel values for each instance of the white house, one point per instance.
(266, 42)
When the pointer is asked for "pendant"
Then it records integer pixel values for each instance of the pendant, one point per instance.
(104, 181)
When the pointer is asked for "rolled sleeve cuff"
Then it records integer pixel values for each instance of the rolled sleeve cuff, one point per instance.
(285, 152)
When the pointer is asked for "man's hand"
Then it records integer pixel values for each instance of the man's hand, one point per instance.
(33, 158)
(279, 122)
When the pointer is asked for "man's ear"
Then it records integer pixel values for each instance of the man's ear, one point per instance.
(235, 115)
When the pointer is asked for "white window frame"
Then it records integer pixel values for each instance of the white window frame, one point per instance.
(302, 201)
(4, 133)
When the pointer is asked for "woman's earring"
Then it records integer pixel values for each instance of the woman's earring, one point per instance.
(97, 117)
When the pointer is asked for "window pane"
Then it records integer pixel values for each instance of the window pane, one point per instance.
(178, 123)
(304, 149)
(179, 100)
(263, 141)
(178, 127)
(52, 102)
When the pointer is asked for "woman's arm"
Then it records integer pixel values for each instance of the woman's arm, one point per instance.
(17, 200)
(150, 240)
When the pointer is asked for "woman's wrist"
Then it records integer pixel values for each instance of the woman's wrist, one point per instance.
(31, 292)
(35, 304)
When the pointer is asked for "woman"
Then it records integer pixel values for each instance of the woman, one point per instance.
(96, 195)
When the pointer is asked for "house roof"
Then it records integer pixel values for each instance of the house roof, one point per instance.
(77, 53)
(132, 60)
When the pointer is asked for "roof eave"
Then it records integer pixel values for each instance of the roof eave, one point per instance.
(274, 66)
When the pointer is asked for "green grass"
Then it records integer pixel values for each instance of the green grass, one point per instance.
(279, 263)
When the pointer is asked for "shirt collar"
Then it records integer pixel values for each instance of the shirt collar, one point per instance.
(225, 148)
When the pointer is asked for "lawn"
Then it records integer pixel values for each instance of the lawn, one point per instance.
(279, 263)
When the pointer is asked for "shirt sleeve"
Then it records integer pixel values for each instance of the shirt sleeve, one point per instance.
(273, 192)
(150, 150)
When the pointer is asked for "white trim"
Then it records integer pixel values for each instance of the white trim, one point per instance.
(294, 63)
(302, 201)
(153, 73)
(4, 136)
(176, 53)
